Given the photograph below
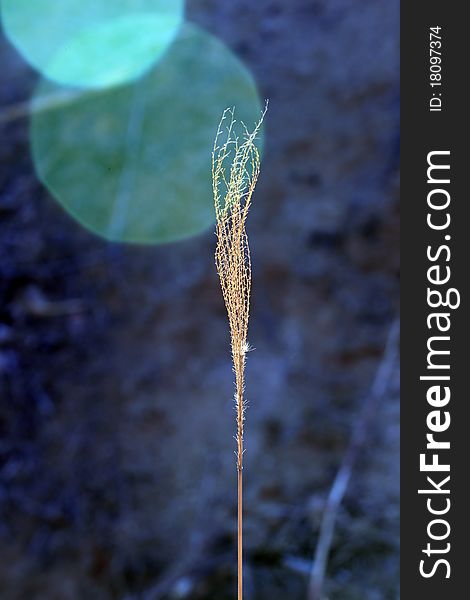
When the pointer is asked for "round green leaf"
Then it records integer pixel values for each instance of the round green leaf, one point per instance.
(92, 43)
(132, 163)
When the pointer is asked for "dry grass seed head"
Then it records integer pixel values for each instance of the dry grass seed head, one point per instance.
(233, 189)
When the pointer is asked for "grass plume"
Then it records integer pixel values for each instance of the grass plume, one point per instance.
(235, 171)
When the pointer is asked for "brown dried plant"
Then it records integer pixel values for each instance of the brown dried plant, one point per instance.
(235, 170)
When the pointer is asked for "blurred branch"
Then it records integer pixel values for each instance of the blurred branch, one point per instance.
(340, 484)
(23, 110)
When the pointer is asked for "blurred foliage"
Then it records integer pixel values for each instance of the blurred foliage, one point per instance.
(132, 163)
(91, 43)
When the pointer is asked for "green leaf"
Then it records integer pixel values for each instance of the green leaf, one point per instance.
(132, 163)
(92, 43)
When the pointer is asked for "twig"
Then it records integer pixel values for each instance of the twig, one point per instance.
(40, 104)
(340, 484)
(233, 188)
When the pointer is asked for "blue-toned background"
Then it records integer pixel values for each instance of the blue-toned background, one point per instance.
(117, 473)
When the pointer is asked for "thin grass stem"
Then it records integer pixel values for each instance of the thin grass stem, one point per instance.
(235, 171)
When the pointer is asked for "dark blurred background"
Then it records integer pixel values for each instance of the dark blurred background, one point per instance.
(117, 473)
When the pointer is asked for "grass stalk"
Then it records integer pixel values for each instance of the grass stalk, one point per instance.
(235, 171)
